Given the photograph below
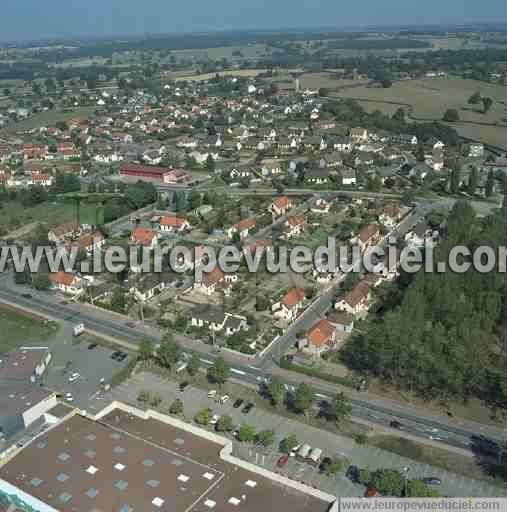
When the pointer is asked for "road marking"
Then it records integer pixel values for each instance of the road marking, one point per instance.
(239, 372)
(321, 396)
(206, 361)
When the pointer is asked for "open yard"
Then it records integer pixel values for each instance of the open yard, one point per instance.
(17, 221)
(51, 117)
(19, 329)
(428, 99)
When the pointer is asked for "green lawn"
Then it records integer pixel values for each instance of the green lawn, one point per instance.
(450, 461)
(14, 216)
(18, 330)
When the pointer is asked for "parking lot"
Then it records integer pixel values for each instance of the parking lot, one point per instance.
(332, 445)
(72, 355)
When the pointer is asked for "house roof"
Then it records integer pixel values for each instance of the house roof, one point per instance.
(63, 278)
(320, 333)
(281, 202)
(368, 232)
(391, 210)
(213, 277)
(295, 220)
(64, 229)
(244, 224)
(143, 236)
(172, 221)
(293, 297)
(357, 294)
(340, 318)
(22, 362)
(208, 313)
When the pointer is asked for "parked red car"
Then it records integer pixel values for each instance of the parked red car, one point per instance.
(282, 461)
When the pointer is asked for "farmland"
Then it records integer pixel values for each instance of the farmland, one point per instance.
(428, 99)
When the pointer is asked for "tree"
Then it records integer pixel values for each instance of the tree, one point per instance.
(331, 466)
(218, 373)
(487, 103)
(323, 92)
(451, 115)
(118, 300)
(144, 396)
(399, 115)
(168, 352)
(145, 351)
(275, 391)
(225, 424)
(455, 180)
(203, 417)
(388, 482)
(288, 443)
(303, 399)
(419, 153)
(339, 409)
(490, 184)
(155, 400)
(472, 180)
(266, 437)
(246, 433)
(210, 164)
(475, 99)
(364, 476)
(41, 281)
(194, 364)
(176, 407)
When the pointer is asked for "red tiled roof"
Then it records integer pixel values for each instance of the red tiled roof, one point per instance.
(62, 277)
(143, 236)
(293, 297)
(245, 224)
(281, 202)
(214, 277)
(172, 221)
(320, 333)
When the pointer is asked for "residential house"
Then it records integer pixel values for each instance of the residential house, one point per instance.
(293, 226)
(364, 158)
(343, 322)
(217, 320)
(356, 301)
(144, 237)
(66, 282)
(216, 280)
(437, 160)
(367, 236)
(64, 231)
(418, 235)
(173, 224)
(390, 215)
(280, 206)
(88, 242)
(343, 144)
(348, 176)
(243, 228)
(359, 134)
(321, 206)
(320, 338)
(291, 305)
(150, 285)
(317, 176)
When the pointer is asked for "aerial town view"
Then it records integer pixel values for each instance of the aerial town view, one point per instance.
(253, 256)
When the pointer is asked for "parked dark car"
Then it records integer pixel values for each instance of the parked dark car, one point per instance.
(183, 385)
(26, 295)
(248, 407)
(115, 355)
(92, 346)
(121, 357)
(395, 424)
(432, 480)
(353, 474)
(238, 403)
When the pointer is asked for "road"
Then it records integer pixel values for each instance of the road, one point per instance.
(372, 410)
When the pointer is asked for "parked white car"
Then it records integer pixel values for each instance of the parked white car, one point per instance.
(74, 377)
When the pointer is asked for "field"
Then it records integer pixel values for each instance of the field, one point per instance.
(16, 217)
(247, 73)
(18, 330)
(428, 99)
(51, 117)
(327, 80)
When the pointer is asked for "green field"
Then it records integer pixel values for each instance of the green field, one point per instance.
(16, 220)
(19, 330)
(428, 99)
(51, 117)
